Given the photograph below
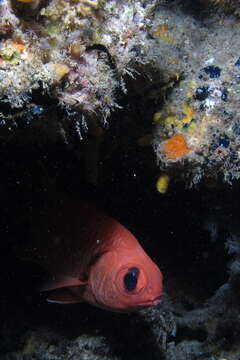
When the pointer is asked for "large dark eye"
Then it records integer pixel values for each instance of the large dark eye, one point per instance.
(130, 279)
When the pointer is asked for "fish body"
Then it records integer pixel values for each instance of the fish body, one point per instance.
(92, 257)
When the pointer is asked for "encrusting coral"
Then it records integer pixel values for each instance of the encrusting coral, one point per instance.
(89, 44)
(201, 105)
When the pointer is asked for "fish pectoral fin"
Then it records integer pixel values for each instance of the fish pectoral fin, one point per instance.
(58, 282)
(62, 296)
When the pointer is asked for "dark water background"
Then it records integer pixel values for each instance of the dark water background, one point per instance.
(170, 228)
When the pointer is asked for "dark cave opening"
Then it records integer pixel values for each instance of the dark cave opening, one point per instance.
(171, 227)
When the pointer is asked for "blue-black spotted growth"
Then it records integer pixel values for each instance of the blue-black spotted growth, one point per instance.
(223, 141)
(212, 71)
(237, 63)
(201, 93)
(224, 95)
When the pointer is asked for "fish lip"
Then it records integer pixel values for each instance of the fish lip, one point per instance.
(152, 302)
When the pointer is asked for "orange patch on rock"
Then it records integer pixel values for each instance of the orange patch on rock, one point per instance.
(175, 147)
(18, 46)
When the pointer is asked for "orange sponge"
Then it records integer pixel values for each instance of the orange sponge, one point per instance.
(175, 147)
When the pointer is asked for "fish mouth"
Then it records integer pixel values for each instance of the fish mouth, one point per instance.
(152, 302)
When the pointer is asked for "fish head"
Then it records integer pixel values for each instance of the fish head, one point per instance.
(124, 282)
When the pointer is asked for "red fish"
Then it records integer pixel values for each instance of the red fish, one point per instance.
(91, 257)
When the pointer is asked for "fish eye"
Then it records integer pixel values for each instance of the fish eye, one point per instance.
(130, 279)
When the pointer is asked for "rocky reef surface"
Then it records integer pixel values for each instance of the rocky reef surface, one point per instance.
(197, 128)
(76, 52)
(67, 65)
